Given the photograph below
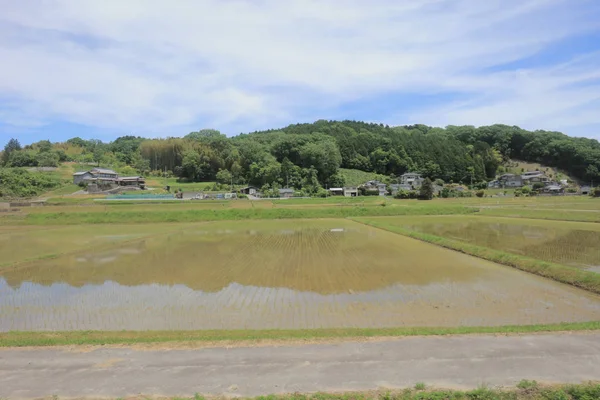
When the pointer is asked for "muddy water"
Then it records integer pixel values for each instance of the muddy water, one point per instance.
(559, 242)
(277, 274)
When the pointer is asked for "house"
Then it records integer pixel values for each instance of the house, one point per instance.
(251, 190)
(529, 178)
(494, 184)
(585, 189)
(96, 175)
(554, 189)
(286, 193)
(412, 178)
(510, 180)
(79, 177)
(336, 191)
(380, 187)
(350, 191)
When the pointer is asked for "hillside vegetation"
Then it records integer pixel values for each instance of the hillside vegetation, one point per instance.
(309, 157)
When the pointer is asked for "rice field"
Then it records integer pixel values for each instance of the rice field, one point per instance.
(268, 274)
(568, 243)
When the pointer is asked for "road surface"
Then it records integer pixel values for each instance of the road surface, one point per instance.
(450, 362)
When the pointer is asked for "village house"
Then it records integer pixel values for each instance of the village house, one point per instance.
(510, 180)
(380, 187)
(95, 175)
(336, 191)
(412, 178)
(286, 193)
(529, 178)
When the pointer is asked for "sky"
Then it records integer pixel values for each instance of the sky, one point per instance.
(157, 68)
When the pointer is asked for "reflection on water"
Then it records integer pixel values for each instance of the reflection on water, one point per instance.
(309, 275)
(576, 247)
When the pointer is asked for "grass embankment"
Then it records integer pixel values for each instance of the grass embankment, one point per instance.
(570, 275)
(525, 390)
(558, 214)
(249, 337)
(197, 215)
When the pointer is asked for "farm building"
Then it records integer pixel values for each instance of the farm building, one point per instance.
(350, 191)
(129, 181)
(251, 190)
(554, 189)
(376, 186)
(585, 189)
(336, 191)
(286, 193)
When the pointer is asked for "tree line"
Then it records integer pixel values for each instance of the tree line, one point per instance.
(309, 156)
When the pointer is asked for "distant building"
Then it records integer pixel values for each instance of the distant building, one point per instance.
(380, 187)
(350, 191)
(96, 175)
(286, 193)
(529, 178)
(553, 189)
(135, 181)
(585, 189)
(336, 191)
(249, 190)
(510, 180)
(412, 178)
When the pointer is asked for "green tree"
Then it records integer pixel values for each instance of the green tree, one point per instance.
(47, 159)
(224, 177)
(10, 147)
(426, 192)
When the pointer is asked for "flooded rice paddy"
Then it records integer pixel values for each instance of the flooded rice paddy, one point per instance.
(264, 274)
(568, 243)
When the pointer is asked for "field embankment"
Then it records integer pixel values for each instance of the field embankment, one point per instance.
(109, 215)
(212, 338)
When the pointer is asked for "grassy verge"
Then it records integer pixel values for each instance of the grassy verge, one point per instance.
(524, 390)
(196, 215)
(20, 339)
(570, 275)
(561, 215)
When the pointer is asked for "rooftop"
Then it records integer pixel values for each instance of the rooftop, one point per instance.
(104, 171)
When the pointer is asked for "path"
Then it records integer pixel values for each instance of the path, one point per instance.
(454, 362)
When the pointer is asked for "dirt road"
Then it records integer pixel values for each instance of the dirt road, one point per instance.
(454, 362)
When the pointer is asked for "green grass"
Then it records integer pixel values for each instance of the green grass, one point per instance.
(355, 177)
(558, 214)
(197, 215)
(20, 339)
(569, 275)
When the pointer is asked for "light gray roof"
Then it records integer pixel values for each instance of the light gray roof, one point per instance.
(125, 178)
(81, 173)
(286, 190)
(104, 171)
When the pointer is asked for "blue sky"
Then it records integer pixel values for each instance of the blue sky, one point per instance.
(157, 68)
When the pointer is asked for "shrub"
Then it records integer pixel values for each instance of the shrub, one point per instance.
(595, 192)
(18, 182)
(480, 193)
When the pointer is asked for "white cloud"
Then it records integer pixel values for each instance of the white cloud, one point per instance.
(159, 66)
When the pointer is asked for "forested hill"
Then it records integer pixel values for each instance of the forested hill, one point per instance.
(309, 156)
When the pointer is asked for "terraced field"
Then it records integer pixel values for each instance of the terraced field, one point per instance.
(569, 243)
(292, 274)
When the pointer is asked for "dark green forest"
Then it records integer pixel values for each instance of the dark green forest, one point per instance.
(308, 156)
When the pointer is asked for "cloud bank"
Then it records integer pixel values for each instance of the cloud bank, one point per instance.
(163, 68)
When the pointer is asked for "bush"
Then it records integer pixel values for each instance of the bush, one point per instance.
(18, 182)
(480, 193)
(538, 185)
(595, 192)
(406, 194)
